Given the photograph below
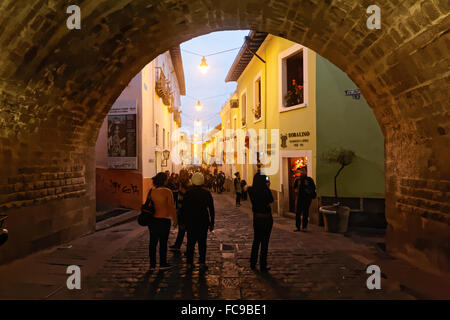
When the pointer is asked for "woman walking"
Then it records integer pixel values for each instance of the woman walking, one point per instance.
(160, 225)
(261, 198)
(198, 215)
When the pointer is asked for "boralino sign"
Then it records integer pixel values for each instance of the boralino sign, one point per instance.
(290, 138)
(298, 134)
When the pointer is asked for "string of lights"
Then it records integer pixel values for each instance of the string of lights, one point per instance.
(199, 106)
(211, 54)
(203, 65)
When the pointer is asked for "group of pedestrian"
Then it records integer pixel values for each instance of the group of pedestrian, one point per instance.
(185, 201)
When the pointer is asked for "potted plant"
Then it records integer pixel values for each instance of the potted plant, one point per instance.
(336, 216)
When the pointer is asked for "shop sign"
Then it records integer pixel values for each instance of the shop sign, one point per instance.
(294, 139)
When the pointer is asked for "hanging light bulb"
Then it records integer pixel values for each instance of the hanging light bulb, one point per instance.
(203, 65)
(198, 106)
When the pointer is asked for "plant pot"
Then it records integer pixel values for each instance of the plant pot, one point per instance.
(330, 218)
(335, 218)
(343, 215)
(320, 222)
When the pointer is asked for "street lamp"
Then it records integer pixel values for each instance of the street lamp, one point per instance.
(198, 106)
(203, 65)
(166, 155)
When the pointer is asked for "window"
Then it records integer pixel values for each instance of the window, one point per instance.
(244, 108)
(157, 134)
(293, 78)
(164, 138)
(257, 109)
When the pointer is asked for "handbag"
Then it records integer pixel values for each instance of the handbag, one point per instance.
(147, 212)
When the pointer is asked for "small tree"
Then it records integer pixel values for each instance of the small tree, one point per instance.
(342, 157)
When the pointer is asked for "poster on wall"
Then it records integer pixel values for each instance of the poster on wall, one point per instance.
(122, 135)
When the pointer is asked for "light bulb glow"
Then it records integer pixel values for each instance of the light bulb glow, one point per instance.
(203, 65)
(198, 106)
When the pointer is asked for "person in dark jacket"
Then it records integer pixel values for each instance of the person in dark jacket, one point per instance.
(237, 188)
(261, 198)
(198, 216)
(184, 185)
(306, 191)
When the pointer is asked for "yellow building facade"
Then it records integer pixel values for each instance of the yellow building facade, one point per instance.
(262, 86)
(301, 100)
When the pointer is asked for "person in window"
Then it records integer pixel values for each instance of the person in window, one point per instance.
(159, 227)
(198, 214)
(261, 198)
(294, 96)
(237, 189)
(306, 191)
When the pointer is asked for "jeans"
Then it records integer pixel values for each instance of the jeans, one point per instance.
(159, 232)
(196, 235)
(262, 228)
(302, 213)
(238, 198)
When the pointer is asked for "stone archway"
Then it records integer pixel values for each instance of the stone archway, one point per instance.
(57, 85)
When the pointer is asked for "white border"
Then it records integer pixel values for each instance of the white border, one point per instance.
(258, 76)
(282, 70)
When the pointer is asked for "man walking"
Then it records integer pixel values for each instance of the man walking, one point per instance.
(306, 191)
(198, 216)
(261, 198)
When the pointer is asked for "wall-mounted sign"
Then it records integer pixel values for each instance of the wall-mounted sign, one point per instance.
(355, 93)
(294, 139)
(122, 135)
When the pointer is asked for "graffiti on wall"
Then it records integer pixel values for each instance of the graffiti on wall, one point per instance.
(125, 188)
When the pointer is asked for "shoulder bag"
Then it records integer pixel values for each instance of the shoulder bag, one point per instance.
(147, 211)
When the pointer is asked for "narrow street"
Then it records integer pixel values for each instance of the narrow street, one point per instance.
(114, 262)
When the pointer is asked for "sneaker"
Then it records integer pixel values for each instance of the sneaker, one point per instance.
(166, 266)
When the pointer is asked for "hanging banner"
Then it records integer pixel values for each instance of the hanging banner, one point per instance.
(122, 152)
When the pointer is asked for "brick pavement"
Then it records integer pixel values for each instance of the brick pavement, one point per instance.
(311, 265)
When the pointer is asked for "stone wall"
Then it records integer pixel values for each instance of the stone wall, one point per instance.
(57, 86)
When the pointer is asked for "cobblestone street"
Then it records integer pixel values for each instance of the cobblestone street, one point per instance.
(305, 265)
